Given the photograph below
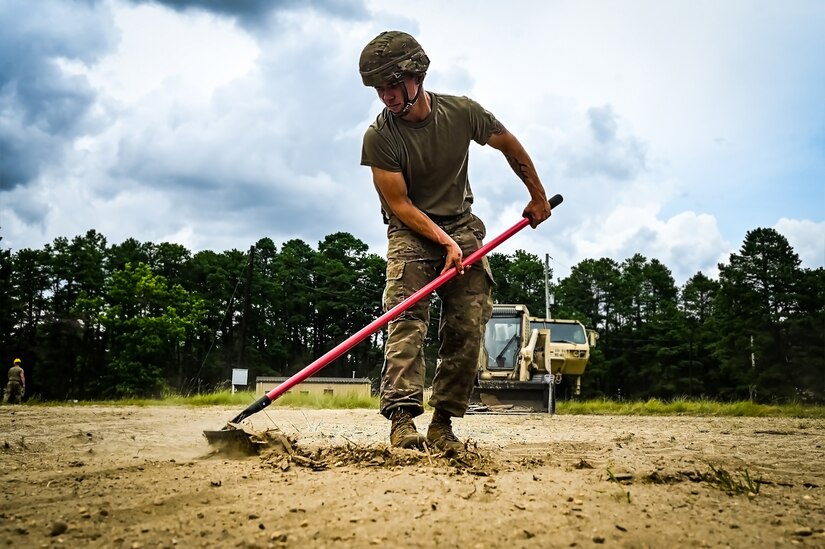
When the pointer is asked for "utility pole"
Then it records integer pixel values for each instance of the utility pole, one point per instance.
(246, 307)
(547, 299)
(752, 387)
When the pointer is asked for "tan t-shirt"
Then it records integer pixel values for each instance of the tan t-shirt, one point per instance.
(431, 154)
(16, 374)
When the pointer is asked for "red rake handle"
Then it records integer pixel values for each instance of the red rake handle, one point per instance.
(382, 320)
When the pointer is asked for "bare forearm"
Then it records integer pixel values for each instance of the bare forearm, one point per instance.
(393, 188)
(418, 221)
(522, 165)
(538, 208)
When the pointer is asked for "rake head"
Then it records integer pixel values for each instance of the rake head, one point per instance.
(233, 438)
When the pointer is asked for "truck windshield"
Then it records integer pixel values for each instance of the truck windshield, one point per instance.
(561, 332)
(502, 340)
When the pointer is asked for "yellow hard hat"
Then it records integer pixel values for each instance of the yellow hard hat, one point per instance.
(17, 361)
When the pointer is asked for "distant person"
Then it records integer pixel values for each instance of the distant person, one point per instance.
(417, 150)
(16, 387)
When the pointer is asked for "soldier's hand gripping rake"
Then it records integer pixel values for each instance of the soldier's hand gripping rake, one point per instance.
(232, 432)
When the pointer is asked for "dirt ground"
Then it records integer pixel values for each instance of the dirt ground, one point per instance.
(77, 476)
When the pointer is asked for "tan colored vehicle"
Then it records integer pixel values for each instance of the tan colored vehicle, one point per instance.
(524, 358)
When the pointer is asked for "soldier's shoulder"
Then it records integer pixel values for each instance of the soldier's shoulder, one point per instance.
(456, 103)
(453, 99)
(381, 123)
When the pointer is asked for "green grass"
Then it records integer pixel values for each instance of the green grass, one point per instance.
(652, 407)
(327, 401)
(687, 407)
(226, 398)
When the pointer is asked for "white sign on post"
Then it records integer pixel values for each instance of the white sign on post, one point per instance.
(239, 377)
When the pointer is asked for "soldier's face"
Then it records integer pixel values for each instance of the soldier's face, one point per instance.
(392, 95)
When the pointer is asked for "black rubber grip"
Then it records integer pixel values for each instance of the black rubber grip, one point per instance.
(555, 200)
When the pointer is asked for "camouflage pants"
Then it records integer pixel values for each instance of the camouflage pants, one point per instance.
(14, 393)
(412, 262)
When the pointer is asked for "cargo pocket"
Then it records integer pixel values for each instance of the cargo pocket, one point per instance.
(394, 292)
(486, 264)
(487, 306)
(478, 228)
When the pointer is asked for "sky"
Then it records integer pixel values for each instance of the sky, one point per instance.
(670, 128)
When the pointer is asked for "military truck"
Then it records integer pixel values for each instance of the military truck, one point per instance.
(525, 358)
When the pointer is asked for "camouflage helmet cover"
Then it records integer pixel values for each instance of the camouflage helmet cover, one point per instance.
(389, 56)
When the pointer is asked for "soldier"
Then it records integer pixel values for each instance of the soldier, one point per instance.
(417, 150)
(16, 387)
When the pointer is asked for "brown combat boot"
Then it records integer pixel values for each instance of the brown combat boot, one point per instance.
(440, 434)
(403, 433)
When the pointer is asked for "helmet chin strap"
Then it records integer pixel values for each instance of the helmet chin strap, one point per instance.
(408, 103)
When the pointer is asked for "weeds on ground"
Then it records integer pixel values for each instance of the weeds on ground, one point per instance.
(612, 478)
(740, 482)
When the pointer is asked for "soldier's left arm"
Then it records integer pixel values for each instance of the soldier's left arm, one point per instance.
(538, 209)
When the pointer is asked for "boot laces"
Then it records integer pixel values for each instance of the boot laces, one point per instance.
(444, 428)
(447, 433)
(402, 423)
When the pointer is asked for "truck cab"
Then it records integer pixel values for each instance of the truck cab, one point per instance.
(525, 357)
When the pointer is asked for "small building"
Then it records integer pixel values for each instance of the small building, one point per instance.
(360, 386)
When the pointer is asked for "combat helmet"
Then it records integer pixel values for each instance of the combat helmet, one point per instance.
(389, 56)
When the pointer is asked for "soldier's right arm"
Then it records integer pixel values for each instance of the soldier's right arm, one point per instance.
(393, 188)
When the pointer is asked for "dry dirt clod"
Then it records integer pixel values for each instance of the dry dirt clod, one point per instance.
(58, 527)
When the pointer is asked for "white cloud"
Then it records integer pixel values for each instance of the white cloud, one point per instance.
(195, 52)
(686, 243)
(807, 239)
(649, 118)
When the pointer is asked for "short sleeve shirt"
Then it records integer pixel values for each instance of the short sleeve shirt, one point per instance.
(16, 374)
(431, 154)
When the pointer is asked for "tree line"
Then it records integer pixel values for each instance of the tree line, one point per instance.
(92, 320)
